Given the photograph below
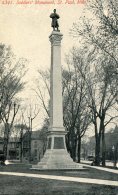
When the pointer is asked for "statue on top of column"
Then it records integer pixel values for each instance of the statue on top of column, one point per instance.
(55, 18)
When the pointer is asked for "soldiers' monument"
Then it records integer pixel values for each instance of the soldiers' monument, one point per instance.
(56, 156)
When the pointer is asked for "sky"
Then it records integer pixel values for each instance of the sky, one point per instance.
(26, 28)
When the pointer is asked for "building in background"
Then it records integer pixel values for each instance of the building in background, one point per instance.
(37, 146)
(15, 146)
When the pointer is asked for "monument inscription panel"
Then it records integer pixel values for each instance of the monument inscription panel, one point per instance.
(59, 143)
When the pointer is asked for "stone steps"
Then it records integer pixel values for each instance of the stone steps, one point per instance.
(53, 160)
(57, 167)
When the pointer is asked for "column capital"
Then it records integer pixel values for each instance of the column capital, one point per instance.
(55, 38)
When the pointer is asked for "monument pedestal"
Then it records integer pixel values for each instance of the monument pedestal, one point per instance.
(56, 156)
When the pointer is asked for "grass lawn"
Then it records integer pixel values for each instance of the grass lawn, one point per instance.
(15, 185)
(89, 173)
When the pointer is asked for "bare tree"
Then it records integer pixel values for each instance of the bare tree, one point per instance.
(101, 100)
(20, 128)
(8, 121)
(76, 112)
(43, 90)
(33, 112)
(98, 36)
(11, 73)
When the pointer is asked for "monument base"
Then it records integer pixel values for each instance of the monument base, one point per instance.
(56, 156)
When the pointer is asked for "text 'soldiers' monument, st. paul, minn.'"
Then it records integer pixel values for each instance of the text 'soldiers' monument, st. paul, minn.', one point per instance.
(56, 156)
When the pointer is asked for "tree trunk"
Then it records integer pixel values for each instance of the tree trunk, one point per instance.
(30, 145)
(97, 146)
(71, 145)
(97, 152)
(21, 145)
(116, 155)
(103, 149)
(102, 129)
(79, 149)
(5, 146)
(6, 140)
(73, 148)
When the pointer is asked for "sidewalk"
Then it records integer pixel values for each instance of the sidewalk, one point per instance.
(101, 168)
(64, 178)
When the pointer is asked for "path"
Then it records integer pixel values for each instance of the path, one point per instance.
(63, 178)
(102, 168)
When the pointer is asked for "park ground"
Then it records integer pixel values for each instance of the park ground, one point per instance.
(17, 185)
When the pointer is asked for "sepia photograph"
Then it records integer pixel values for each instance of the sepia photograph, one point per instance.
(58, 97)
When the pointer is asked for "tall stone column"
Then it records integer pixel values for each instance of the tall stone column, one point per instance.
(56, 108)
(56, 156)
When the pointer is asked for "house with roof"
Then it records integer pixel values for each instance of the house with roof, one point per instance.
(13, 148)
(37, 145)
(18, 149)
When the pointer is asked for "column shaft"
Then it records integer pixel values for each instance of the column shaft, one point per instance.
(56, 108)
